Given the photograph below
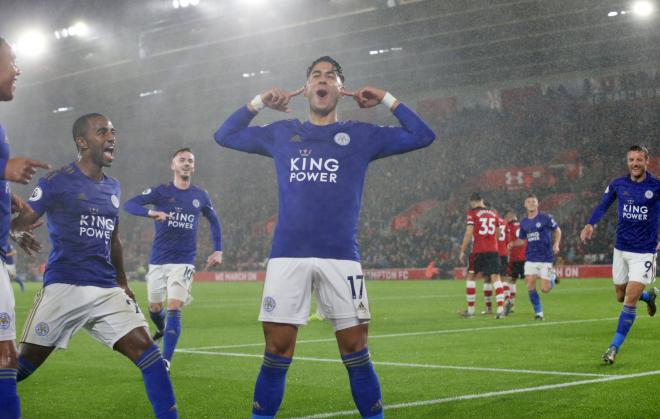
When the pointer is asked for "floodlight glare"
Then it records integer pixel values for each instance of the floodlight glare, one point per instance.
(642, 8)
(184, 3)
(194, 2)
(612, 14)
(175, 4)
(79, 29)
(31, 44)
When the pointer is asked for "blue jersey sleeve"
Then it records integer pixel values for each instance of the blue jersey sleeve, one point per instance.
(135, 205)
(41, 198)
(522, 235)
(216, 228)
(414, 133)
(552, 223)
(606, 201)
(235, 133)
(4, 153)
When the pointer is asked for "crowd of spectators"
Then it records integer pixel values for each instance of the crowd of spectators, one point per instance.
(594, 127)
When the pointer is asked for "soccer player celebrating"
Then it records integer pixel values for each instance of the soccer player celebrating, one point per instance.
(84, 283)
(176, 209)
(19, 170)
(634, 259)
(543, 236)
(321, 166)
(516, 268)
(482, 228)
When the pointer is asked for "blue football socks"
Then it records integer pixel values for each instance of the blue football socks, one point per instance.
(626, 320)
(269, 389)
(172, 333)
(364, 384)
(157, 383)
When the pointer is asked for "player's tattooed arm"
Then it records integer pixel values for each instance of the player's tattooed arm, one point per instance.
(469, 231)
(21, 229)
(117, 258)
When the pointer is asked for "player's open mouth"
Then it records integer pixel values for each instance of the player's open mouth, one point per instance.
(322, 92)
(108, 152)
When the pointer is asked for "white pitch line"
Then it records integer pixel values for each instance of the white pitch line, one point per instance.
(410, 365)
(486, 395)
(430, 332)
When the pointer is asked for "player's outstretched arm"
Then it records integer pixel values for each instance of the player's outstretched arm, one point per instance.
(216, 233)
(136, 206)
(117, 258)
(26, 241)
(21, 169)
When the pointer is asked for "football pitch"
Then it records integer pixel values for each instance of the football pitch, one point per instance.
(431, 362)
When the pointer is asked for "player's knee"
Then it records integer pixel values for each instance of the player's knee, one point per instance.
(173, 304)
(8, 355)
(155, 307)
(620, 298)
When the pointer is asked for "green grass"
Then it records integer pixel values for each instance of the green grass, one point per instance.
(90, 381)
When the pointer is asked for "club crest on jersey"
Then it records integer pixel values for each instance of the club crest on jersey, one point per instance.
(342, 138)
(146, 191)
(82, 196)
(305, 152)
(269, 304)
(5, 321)
(295, 138)
(115, 201)
(538, 225)
(37, 193)
(195, 203)
(93, 211)
(648, 194)
(41, 329)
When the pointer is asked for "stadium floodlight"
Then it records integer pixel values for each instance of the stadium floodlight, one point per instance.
(184, 3)
(31, 43)
(642, 8)
(194, 2)
(79, 29)
(612, 14)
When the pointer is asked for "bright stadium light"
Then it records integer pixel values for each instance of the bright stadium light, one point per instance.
(31, 44)
(613, 13)
(642, 8)
(79, 29)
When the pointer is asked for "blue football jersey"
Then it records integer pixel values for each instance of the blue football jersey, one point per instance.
(5, 197)
(638, 213)
(320, 175)
(82, 215)
(176, 238)
(538, 233)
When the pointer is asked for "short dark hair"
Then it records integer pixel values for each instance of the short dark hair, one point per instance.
(531, 195)
(475, 197)
(182, 150)
(327, 59)
(82, 124)
(641, 148)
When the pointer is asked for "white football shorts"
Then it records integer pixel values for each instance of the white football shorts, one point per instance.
(11, 270)
(339, 285)
(540, 269)
(7, 303)
(60, 310)
(171, 280)
(636, 267)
